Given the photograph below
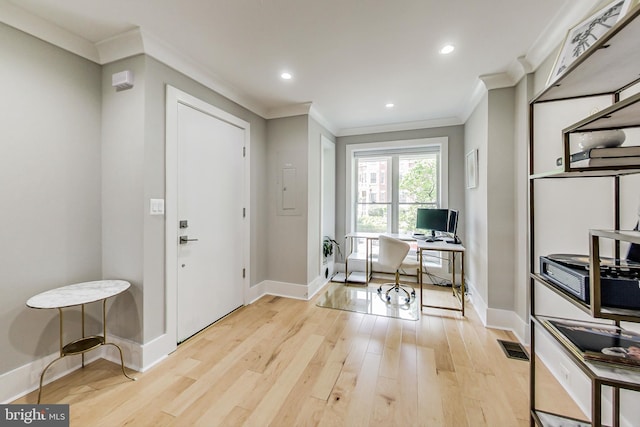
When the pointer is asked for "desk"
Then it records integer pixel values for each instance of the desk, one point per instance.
(368, 261)
(444, 247)
(80, 294)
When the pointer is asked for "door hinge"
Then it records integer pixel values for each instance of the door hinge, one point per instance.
(244, 151)
(244, 273)
(244, 212)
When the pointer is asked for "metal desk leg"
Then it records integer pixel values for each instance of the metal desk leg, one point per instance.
(366, 261)
(420, 274)
(462, 288)
(453, 273)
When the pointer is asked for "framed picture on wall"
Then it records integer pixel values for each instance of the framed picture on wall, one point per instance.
(582, 36)
(471, 168)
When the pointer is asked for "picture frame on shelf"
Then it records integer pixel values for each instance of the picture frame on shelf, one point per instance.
(583, 35)
(471, 168)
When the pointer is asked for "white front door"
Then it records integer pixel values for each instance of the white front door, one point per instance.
(210, 219)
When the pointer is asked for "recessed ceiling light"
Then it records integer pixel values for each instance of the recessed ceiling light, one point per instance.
(286, 76)
(390, 105)
(447, 49)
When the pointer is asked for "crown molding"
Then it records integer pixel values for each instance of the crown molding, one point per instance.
(476, 96)
(120, 46)
(397, 127)
(315, 113)
(125, 45)
(158, 49)
(569, 14)
(305, 108)
(497, 80)
(288, 111)
(44, 30)
(136, 42)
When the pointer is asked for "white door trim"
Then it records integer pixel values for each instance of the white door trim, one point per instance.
(174, 97)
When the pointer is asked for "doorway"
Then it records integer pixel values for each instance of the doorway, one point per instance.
(207, 214)
(327, 201)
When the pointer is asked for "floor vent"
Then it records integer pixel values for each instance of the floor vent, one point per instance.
(513, 350)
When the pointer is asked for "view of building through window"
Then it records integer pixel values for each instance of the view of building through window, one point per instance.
(391, 188)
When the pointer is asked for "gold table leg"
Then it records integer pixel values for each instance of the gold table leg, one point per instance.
(104, 342)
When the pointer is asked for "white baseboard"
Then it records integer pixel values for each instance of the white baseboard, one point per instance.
(510, 321)
(284, 289)
(497, 318)
(138, 357)
(479, 305)
(287, 290)
(26, 378)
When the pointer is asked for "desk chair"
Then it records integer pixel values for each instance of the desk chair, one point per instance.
(392, 253)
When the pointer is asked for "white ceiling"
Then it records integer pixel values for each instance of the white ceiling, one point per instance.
(348, 57)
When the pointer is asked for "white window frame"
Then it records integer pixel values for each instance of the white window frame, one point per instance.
(351, 149)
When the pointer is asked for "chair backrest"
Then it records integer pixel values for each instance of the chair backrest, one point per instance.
(392, 251)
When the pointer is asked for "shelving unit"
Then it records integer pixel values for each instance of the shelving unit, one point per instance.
(609, 67)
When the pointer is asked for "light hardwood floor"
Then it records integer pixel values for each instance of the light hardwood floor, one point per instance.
(284, 362)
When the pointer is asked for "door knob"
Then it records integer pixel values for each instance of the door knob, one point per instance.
(185, 239)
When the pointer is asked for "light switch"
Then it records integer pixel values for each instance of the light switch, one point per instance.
(156, 206)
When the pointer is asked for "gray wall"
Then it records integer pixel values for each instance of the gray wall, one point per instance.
(136, 149)
(123, 181)
(523, 93)
(456, 169)
(49, 187)
(81, 161)
(491, 228)
(500, 198)
(476, 138)
(287, 231)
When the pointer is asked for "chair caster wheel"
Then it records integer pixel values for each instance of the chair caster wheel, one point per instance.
(397, 290)
(406, 300)
(388, 298)
(380, 289)
(413, 294)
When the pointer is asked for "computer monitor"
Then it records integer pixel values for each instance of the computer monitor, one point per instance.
(452, 226)
(432, 219)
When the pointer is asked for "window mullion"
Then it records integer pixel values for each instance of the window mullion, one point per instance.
(395, 193)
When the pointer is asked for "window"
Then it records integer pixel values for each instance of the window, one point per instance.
(390, 205)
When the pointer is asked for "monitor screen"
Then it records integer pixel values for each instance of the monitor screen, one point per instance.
(432, 219)
(453, 222)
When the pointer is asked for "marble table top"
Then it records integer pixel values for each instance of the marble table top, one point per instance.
(77, 294)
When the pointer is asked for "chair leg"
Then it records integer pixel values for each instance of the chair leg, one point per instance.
(396, 287)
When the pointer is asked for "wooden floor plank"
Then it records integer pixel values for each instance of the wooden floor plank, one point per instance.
(430, 396)
(283, 362)
(359, 410)
(276, 397)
